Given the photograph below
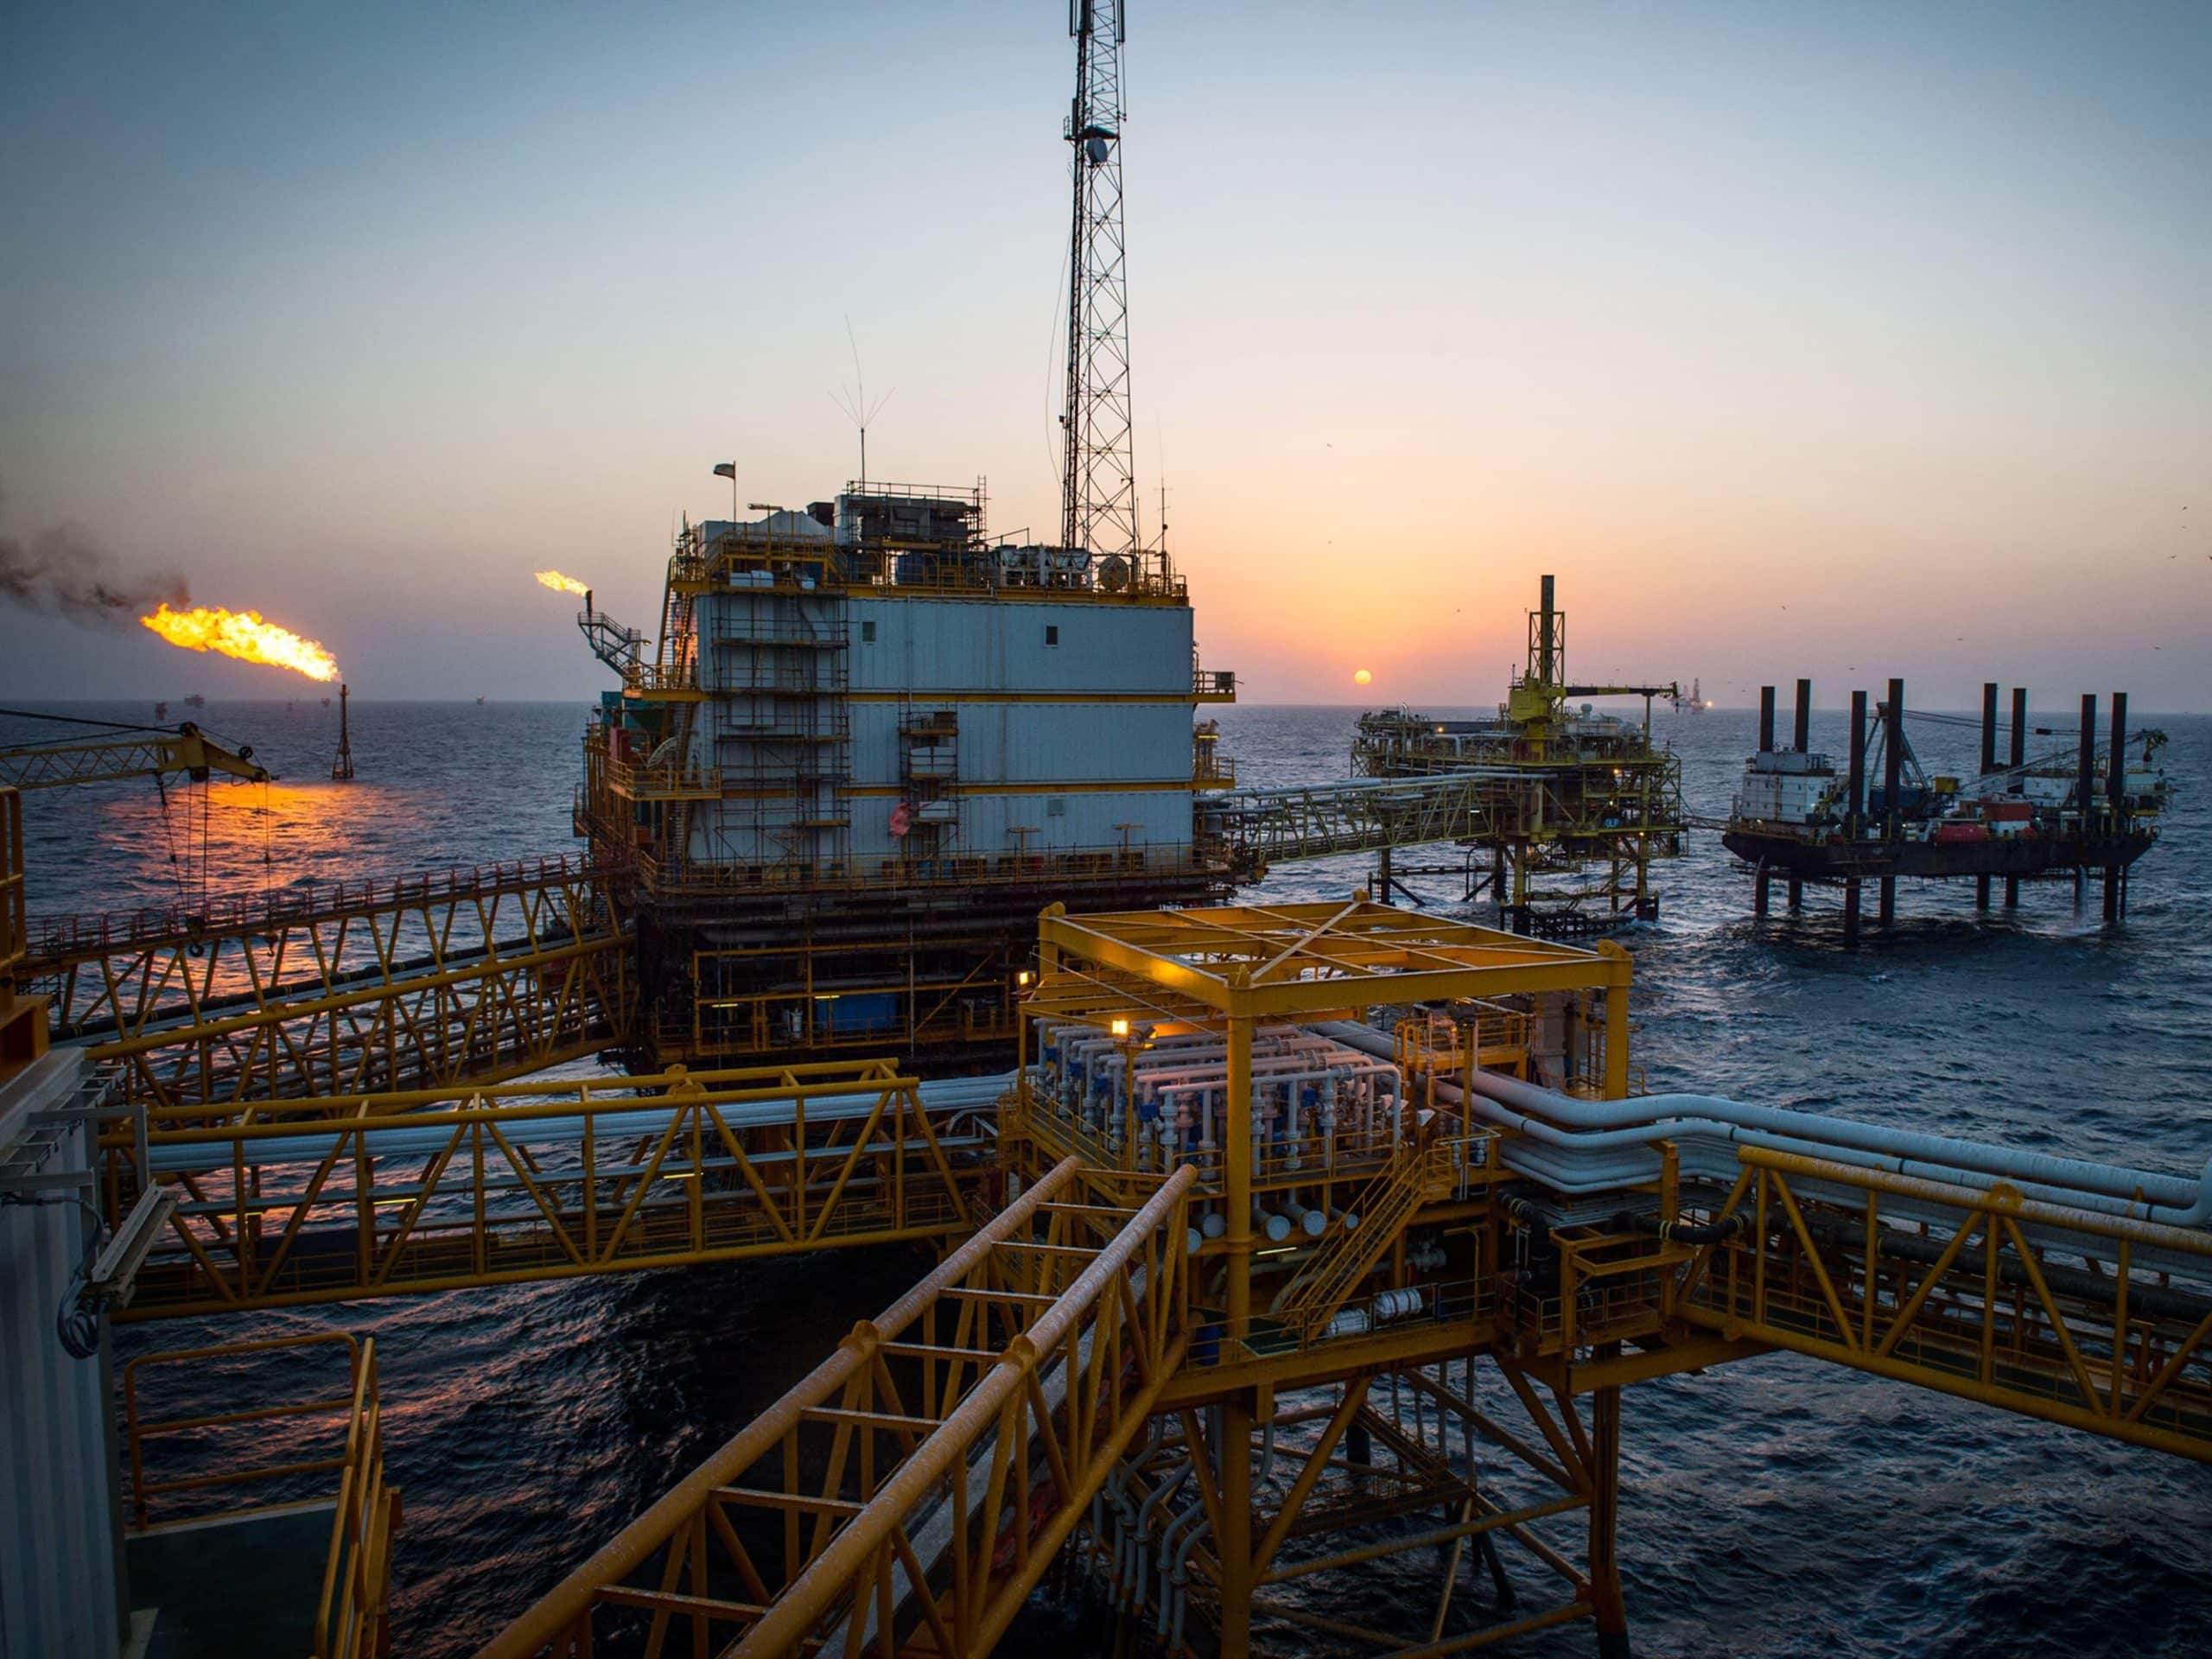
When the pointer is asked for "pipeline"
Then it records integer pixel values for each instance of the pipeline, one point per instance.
(1681, 1232)
(1572, 1159)
(194, 1151)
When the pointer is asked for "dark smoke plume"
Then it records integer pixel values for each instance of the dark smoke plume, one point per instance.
(64, 572)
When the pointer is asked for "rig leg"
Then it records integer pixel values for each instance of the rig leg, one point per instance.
(1982, 893)
(1503, 1596)
(1235, 1552)
(1886, 906)
(1851, 913)
(1604, 1519)
(1796, 893)
(1758, 893)
(2112, 879)
(2012, 893)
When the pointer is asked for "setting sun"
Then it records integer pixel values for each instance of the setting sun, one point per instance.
(1361, 677)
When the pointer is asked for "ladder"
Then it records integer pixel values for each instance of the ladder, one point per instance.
(1327, 1280)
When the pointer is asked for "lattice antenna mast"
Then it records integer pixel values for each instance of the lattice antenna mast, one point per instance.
(1098, 481)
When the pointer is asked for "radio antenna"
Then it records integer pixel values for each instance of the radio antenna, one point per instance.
(852, 399)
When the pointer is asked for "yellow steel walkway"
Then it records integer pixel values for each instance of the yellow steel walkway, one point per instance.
(907, 1494)
(2095, 1321)
(315, 1201)
(381, 985)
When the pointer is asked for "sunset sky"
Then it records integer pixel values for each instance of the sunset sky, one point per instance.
(1836, 340)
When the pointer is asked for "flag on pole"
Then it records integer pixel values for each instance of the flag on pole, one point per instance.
(727, 469)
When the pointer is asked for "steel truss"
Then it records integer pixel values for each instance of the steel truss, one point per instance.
(425, 981)
(315, 1201)
(909, 1493)
(1329, 1486)
(2100, 1322)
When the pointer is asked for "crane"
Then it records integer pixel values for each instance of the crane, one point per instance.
(125, 752)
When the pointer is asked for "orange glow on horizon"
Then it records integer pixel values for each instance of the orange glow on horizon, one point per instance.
(245, 635)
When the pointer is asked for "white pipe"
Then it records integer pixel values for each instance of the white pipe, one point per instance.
(1618, 1125)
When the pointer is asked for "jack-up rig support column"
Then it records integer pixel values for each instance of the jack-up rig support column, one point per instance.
(1766, 743)
(1892, 781)
(2085, 782)
(2019, 758)
(1802, 736)
(2116, 810)
(1854, 823)
(1988, 766)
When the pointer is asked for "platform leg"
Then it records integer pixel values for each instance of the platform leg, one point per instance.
(1235, 1552)
(1758, 892)
(1501, 1593)
(1982, 893)
(2111, 891)
(1886, 905)
(1604, 1522)
(2012, 893)
(1796, 893)
(1851, 912)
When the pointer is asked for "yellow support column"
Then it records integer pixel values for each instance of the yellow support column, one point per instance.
(1605, 1520)
(1236, 1181)
(1237, 1520)
(1618, 968)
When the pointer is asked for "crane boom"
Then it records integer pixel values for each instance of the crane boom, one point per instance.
(147, 755)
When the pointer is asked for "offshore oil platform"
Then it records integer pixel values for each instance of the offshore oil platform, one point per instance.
(1286, 1244)
(2063, 812)
(1571, 806)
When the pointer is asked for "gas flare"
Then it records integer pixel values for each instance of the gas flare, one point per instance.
(245, 635)
(561, 584)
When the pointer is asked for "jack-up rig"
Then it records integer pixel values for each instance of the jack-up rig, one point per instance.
(1298, 1238)
(2062, 813)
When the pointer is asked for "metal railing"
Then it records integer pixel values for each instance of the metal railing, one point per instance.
(349, 1616)
(308, 1201)
(14, 929)
(1970, 1292)
(675, 783)
(661, 876)
(915, 1486)
(52, 938)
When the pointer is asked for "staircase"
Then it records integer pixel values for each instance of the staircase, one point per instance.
(1322, 1286)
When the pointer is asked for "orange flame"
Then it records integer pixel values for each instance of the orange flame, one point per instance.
(244, 635)
(561, 584)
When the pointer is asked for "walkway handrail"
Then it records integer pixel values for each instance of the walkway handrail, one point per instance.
(571, 1599)
(789, 1615)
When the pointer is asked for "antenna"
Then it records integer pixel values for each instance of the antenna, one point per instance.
(852, 399)
(1098, 500)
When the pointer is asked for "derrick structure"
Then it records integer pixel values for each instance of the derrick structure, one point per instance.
(1099, 478)
(1570, 806)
